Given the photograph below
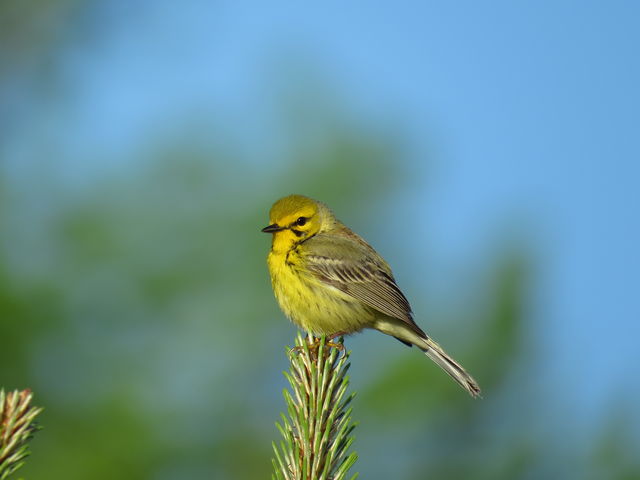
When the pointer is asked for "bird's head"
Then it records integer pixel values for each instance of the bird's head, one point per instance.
(295, 218)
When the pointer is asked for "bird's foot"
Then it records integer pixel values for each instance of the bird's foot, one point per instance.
(338, 345)
(314, 344)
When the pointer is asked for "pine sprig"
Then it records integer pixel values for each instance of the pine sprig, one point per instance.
(317, 432)
(17, 426)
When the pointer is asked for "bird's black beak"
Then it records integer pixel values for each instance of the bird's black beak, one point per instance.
(274, 227)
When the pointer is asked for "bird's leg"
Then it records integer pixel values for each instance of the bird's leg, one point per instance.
(333, 336)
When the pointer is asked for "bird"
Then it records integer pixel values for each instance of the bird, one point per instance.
(329, 281)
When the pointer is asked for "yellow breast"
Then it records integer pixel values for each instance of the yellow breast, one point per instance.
(311, 304)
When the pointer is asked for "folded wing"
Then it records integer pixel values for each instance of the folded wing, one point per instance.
(358, 271)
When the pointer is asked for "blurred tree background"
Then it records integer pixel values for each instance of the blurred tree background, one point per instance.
(135, 301)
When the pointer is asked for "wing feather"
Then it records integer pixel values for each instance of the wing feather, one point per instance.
(356, 270)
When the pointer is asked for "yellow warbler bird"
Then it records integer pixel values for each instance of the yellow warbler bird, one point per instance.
(329, 281)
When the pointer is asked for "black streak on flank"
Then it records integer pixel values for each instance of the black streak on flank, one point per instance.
(287, 260)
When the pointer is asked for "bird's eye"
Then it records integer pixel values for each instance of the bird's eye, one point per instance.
(301, 221)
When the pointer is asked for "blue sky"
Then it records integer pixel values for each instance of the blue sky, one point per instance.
(514, 115)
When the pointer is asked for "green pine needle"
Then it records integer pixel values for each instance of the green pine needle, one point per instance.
(17, 426)
(318, 430)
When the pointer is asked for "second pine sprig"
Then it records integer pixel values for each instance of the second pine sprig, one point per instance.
(17, 426)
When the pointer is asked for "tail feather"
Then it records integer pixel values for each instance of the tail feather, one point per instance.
(449, 365)
(411, 334)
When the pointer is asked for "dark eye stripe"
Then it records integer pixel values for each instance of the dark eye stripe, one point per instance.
(297, 232)
(300, 222)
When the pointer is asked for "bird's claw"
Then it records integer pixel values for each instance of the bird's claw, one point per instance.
(314, 346)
